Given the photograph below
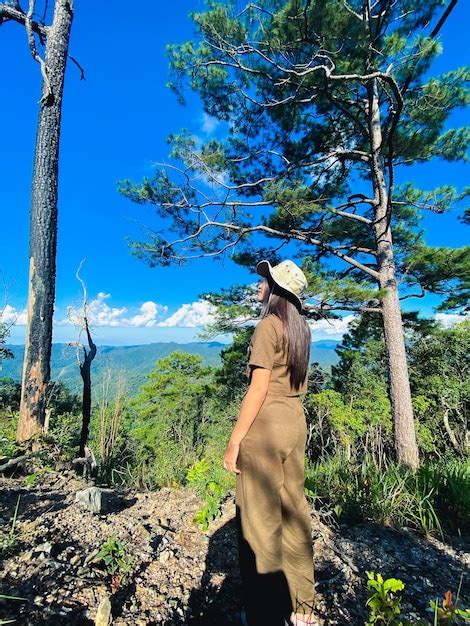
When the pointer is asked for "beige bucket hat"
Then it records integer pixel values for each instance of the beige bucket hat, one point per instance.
(287, 276)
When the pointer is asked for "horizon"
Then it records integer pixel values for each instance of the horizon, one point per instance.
(136, 345)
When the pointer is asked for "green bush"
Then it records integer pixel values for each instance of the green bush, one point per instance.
(8, 427)
(383, 599)
(211, 484)
(384, 602)
(116, 561)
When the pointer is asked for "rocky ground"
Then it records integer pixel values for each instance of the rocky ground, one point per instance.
(181, 575)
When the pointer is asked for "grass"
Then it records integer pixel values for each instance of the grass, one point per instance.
(433, 499)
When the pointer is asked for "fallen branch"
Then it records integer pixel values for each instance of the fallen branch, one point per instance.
(18, 459)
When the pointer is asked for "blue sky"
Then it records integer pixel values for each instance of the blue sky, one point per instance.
(115, 126)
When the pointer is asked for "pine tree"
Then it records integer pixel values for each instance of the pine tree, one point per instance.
(321, 100)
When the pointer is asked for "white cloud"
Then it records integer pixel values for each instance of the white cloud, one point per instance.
(148, 315)
(198, 313)
(450, 319)
(209, 124)
(100, 313)
(334, 328)
(9, 315)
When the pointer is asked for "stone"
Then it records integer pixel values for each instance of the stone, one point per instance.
(103, 614)
(90, 498)
(165, 556)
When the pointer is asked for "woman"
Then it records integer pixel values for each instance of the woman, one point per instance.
(266, 451)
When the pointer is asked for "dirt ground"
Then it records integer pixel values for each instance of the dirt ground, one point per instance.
(181, 575)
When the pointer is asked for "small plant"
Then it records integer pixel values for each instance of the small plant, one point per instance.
(211, 509)
(30, 479)
(449, 612)
(210, 490)
(383, 600)
(9, 541)
(117, 563)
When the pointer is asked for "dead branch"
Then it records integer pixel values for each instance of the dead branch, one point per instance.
(34, 53)
(18, 459)
(15, 13)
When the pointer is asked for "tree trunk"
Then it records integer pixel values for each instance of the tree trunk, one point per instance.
(399, 384)
(85, 372)
(43, 229)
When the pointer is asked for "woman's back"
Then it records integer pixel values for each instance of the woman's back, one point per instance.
(268, 349)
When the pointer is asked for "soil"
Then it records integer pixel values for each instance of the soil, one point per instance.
(181, 575)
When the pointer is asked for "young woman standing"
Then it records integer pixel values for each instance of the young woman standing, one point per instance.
(266, 450)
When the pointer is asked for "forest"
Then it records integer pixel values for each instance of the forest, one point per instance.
(115, 507)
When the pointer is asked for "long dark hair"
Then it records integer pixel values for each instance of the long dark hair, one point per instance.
(297, 334)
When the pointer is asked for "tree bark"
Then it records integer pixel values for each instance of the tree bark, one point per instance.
(450, 432)
(43, 229)
(399, 384)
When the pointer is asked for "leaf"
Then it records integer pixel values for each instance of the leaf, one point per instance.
(447, 602)
(393, 584)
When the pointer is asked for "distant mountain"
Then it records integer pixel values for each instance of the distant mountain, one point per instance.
(323, 352)
(133, 363)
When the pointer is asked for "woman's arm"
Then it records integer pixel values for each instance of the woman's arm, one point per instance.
(249, 409)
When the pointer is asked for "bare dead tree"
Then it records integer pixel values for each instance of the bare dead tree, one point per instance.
(85, 365)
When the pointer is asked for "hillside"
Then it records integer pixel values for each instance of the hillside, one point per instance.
(181, 575)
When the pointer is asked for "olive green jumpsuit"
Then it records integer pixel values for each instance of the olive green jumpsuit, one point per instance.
(272, 513)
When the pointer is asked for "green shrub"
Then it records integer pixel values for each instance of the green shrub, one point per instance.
(169, 413)
(116, 561)
(384, 602)
(8, 427)
(211, 485)
(383, 599)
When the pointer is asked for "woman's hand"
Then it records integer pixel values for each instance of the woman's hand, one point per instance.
(230, 457)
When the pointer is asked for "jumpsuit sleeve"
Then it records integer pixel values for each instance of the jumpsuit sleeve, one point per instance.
(263, 345)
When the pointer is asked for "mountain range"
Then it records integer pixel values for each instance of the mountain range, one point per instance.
(133, 363)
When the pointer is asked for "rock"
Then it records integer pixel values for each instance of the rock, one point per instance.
(103, 614)
(165, 556)
(90, 498)
(89, 557)
(44, 548)
(75, 560)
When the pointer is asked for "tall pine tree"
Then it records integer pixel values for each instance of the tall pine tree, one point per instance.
(321, 100)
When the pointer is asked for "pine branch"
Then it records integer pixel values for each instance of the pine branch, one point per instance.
(244, 231)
